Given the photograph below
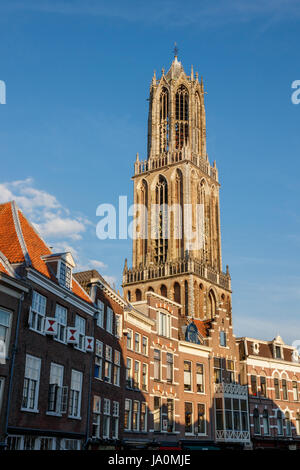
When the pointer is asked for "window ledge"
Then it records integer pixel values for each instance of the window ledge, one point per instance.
(28, 410)
(74, 417)
(53, 413)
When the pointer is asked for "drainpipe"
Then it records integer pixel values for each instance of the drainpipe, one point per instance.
(13, 356)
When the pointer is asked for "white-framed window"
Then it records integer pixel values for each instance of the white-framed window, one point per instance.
(136, 416)
(31, 383)
(145, 345)
(157, 364)
(70, 444)
(137, 342)
(144, 420)
(266, 424)
(129, 338)
(5, 321)
(201, 418)
(189, 424)
(108, 364)
(75, 394)
(157, 414)
(127, 415)
(295, 390)
(187, 376)
(80, 325)
(38, 312)
(137, 366)
(200, 378)
(96, 417)
(169, 367)
(106, 417)
(98, 360)
(118, 325)
(117, 367)
(100, 317)
(223, 339)
(170, 415)
(129, 372)
(65, 275)
(55, 388)
(115, 420)
(145, 377)
(109, 320)
(61, 318)
(164, 324)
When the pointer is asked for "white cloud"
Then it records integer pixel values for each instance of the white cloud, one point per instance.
(51, 219)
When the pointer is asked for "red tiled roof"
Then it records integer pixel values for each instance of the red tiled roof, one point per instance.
(203, 327)
(3, 269)
(32, 243)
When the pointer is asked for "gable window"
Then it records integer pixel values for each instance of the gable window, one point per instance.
(80, 326)
(98, 360)
(164, 325)
(100, 316)
(65, 275)
(38, 312)
(277, 352)
(75, 394)
(200, 378)
(61, 318)
(31, 383)
(96, 417)
(55, 388)
(187, 376)
(223, 340)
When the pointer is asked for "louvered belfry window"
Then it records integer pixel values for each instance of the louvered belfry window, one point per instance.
(181, 117)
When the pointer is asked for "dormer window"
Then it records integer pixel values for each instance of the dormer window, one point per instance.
(65, 275)
(277, 352)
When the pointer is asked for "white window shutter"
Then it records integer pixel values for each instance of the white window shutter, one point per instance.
(50, 326)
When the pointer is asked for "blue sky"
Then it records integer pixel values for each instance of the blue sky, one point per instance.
(77, 75)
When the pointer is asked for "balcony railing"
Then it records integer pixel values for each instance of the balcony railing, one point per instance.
(233, 436)
(171, 268)
(170, 158)
(231, 389)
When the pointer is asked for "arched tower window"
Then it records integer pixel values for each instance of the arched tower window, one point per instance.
(211, 305)
(138, 295)
(144, 220)
(164, 121)
(177, 296)
(161, 242)
(181, 117)
(163, 291)
(197, 124)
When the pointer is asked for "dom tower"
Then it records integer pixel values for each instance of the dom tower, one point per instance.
(183, 261)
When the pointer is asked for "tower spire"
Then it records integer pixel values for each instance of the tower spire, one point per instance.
(175, 50)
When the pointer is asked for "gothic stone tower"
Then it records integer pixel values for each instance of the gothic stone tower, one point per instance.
(177, 173)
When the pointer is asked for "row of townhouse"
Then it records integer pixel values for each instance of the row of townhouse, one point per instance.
(80, 367)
